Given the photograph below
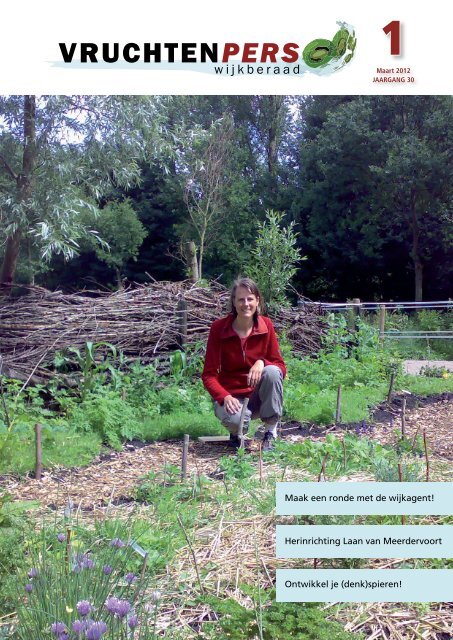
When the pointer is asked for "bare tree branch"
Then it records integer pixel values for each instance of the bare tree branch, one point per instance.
(8, 168)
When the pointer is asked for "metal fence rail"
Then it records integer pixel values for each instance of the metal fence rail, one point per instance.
(357, 307)
(430, 335)
(375, 306)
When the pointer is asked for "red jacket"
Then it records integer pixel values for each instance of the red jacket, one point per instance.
(227, 363)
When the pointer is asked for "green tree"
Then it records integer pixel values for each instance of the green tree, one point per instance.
(414, 182)
(373, 192)
(204, 176)
(341, 236)
(119, 227)
(274, 258)
(58, 156)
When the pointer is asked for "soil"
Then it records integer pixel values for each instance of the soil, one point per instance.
(112, 477)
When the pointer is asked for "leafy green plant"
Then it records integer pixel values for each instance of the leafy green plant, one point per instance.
(92, 366)
(278, 621)
(274, 258)
(15, 530)
(123, 234)
(237, 467)
(71, 588)
(387, 470)
(109, 416)
(429, 320)
(353, 453)
(435, 372)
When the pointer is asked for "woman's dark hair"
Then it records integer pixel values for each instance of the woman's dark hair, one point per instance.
(251, 286)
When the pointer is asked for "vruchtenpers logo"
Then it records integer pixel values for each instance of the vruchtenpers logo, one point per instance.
(229, 59)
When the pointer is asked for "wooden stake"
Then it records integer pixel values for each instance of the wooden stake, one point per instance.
(261, 462)
(425, 442)
(38, 451)
(322, 473)
(185, 451)
(241, 423)
(403, 419)
(181, 310)
(338, 409)
(392, 382)
(415, 437)
(352, 315)
(68, 549)
(400, 475)
(381, 322)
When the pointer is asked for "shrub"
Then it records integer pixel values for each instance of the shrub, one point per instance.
(274, 258)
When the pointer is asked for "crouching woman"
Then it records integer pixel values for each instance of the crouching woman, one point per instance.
(243, 360)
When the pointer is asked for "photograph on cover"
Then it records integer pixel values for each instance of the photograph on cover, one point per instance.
(226, 368)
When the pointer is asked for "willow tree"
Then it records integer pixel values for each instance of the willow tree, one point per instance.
(58, 156)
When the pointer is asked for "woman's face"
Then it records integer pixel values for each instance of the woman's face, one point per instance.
(245, 303)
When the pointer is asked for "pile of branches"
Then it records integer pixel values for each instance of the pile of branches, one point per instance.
(142, 322)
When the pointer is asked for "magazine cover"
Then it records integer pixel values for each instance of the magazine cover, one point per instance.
(226, 358)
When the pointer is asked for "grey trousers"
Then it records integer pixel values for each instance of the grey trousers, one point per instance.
(265, 402)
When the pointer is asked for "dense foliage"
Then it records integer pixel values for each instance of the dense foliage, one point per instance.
(365, 179)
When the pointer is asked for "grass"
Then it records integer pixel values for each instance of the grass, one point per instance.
(320, 407)
(175, 425)
(74, 449)
(60, 448)
(426, 386)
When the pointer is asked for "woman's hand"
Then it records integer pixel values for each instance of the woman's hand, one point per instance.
(231, 404)
(254, 375)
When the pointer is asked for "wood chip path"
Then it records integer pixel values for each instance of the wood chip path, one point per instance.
(113, 478)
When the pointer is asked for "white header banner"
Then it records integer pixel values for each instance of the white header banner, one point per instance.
(253, 47)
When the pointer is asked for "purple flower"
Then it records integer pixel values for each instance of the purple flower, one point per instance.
(132, 621)
(111, 604)
(63, 636)
(61, 537)
(33, 573)
(156, 596)
(78, 626)
(117, 607)
(123, 608)
(117, 543)
(96, 630)
(58, 628)
(83, 561)
(28, 587)
(83, 607)
(86, 562)
(130, 578)
(107, 569)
